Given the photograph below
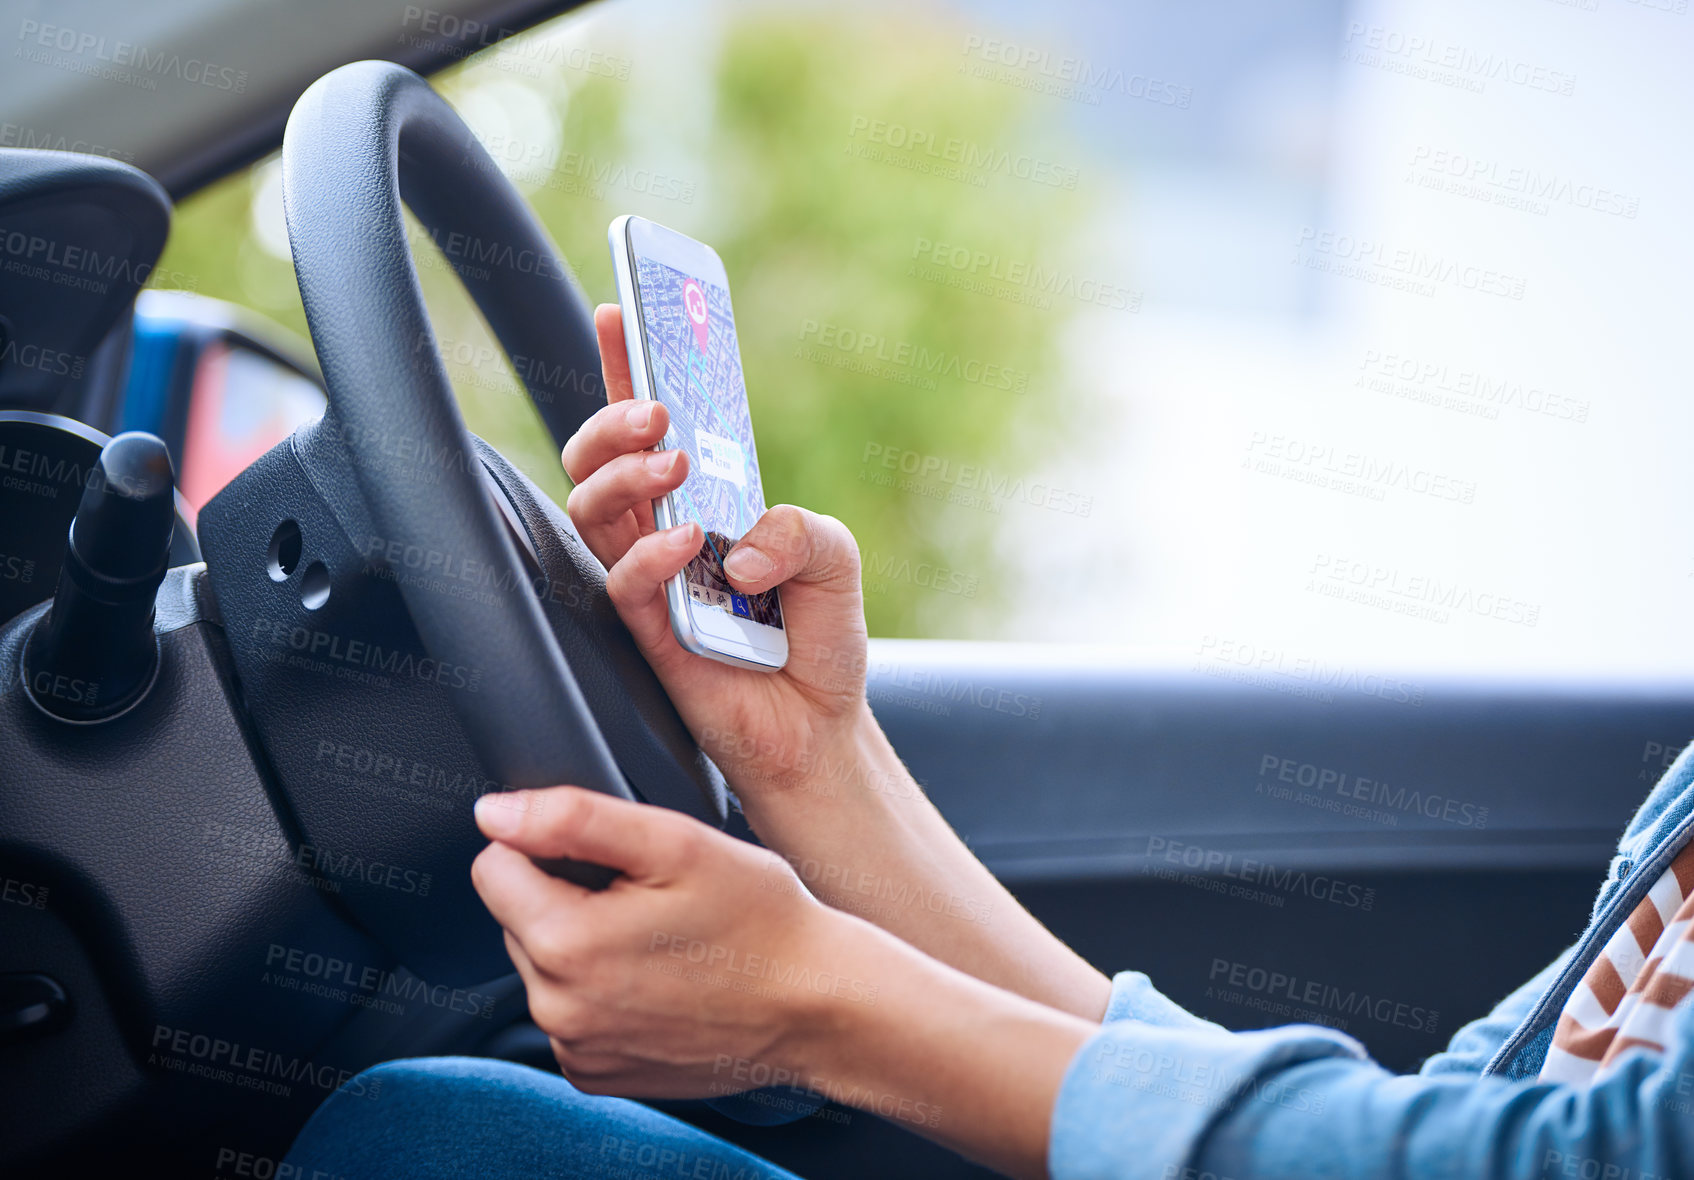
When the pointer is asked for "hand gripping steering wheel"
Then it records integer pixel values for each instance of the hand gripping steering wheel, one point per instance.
(360, 140)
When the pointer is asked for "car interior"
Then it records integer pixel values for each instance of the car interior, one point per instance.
(236, 781)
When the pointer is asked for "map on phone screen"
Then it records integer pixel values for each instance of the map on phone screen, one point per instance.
(696, 365)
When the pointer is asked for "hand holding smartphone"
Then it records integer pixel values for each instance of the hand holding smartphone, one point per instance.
(683, 351)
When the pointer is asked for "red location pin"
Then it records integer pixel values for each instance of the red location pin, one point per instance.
(694, 303)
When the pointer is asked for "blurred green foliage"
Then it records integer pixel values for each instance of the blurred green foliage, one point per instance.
(813, 234)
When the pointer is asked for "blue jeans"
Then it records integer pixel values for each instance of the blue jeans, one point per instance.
(452, 1118)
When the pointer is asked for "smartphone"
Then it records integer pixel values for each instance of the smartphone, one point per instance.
(683, 351)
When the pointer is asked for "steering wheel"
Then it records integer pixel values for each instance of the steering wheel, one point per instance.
(361, 140)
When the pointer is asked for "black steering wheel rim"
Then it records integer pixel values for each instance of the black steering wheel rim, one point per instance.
(361, 140)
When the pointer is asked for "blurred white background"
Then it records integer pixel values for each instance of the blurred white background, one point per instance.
(1565, 412)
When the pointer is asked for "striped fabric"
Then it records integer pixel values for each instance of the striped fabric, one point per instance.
(1625, 1000)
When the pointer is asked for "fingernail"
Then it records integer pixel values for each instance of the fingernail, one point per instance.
(661, 462)
(746, 564)
(499, 815)
(641, 416)
(682, 535)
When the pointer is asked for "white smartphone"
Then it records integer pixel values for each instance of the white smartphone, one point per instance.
(683, 352)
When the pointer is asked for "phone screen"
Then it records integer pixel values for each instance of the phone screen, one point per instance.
(695, 361)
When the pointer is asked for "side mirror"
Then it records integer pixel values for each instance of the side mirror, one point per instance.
(220, 385)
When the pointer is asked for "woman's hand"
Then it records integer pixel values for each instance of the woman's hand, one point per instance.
(700, 971)
(816, 776)
(705, 969)
(766, 731)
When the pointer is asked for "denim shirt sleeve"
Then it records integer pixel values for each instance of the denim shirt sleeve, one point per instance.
(1135, 998)
(1175, 1102)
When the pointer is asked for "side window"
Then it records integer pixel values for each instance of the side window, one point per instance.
(1238, 335)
